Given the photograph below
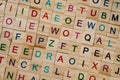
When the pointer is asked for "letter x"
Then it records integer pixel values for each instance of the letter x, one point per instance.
(94, 65)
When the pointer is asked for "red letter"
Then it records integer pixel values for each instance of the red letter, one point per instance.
(66, 32)
(34, 13)
(1, 59)
(15, 48)
(45, 15)
(29, 38)
(31, 26)
(7, 34)
(60, 59)
(70, 8)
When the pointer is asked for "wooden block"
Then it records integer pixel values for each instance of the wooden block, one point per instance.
(25, 2)
(9, 21)
(68, 47)
(95, 3)
(23, 11)
(85, 2)
(76, 36)
(44, 77)
(3, 60)
(102, 28)
(49, 56)
(32, 26)
(85, 51)
(104, 15)
(61, 59)
(2, 70)
(71, 9)
(47, 69)
(113, 78)
(33, 76)
(44, 28)
(102, 77)
(94, 66)
(91, 25)
(37, 4)
(46, 16)
(4, 46)
(34, 13)
(15, 49)
(22, 75)
(115, 70)
(68, 21)
(105, 68)
(72, 61)
(109, 56)
(1, 19)
(80, 23)
(93, 76)
(83, 64)
(52, 43)
(82, 10)
(93, 13)
(60, 6)
(14, 1)
(54, 31)
(57, 18)
(11, 9)
(12, 62)
(97, 53)
(41, 41)
(18, 37)
(7, 34)
(88, 37)
(66, 33)
(115, 6)
(58, 72)
(99, 41)
(27, 52)
(116, 57)
(10, 74)
(111, 43)
(20, 24)
(30, 38)
(48, 6)
(24, 64)
(38, 55)
(114, 18)
(2, 6)
(106, 4)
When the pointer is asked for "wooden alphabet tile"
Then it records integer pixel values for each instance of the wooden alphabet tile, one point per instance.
(2, 6)
(1, 19)
(34, 13)
(20, 24)
(52, 43)
(7, 34)
(3, 60)
(23, 11)
(82, 10)
(60, 6)
(10, 74)
(2, 70)
(41, 41)
(9, 21)
(46, 16)
(11, 9)
(4, 46)
(43, 28)
(48, 4)
(32, 26)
